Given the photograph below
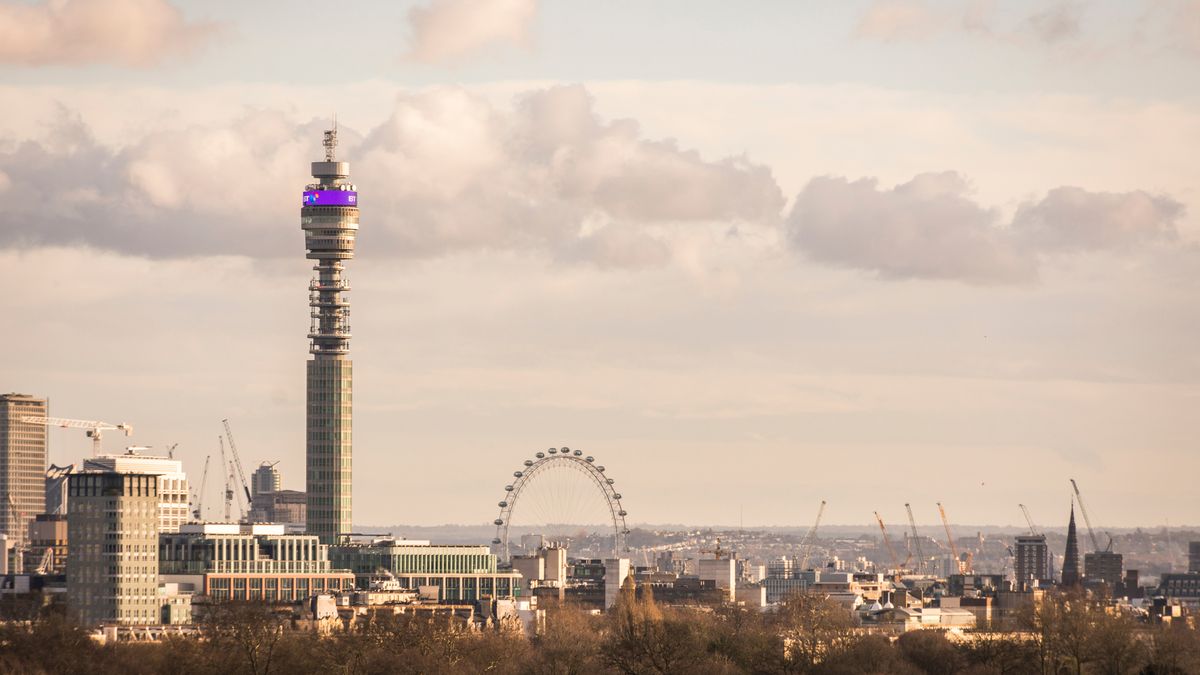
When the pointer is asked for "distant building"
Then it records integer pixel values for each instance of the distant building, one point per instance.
(265, 480)
(1104, 566)
(237, 561)
(1194, 557)
(616, 570)
(286, 507)
(56, 488)
(173, 508)
(1070, 570)
(460, 573)
(112, 560)
(721, 571)
(23, 449)
(1031, 560)
(48, 543)
(1176, 586)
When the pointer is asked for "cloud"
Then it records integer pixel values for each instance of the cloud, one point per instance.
(1071, 219)
(446, 172)
(930, 228)
(1060, 22)
(914, 20)
(889, 20)
(79, 32)
(452, 30)
(925, 228)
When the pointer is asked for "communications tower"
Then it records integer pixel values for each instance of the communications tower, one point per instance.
(329, 218)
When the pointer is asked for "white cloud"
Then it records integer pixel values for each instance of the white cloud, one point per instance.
(73, 32)
(931, 228)
(452, 30)
(446, 172)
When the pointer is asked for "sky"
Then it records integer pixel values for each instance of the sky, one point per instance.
(748, 255)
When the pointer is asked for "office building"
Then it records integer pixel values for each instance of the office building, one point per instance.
(23, 449)
(286, 507)
(265, 480)
(1104, 566)
(174, 507)
(329, 218)
(1070, 570)
(1194, 556)
(56, 488)
(722, 572)
(48, 543)
(616, 571)
(238, 561)
(460, 573)
(112, 559)
(1031, 561)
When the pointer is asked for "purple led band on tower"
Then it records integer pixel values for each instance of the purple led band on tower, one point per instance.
(330, 198)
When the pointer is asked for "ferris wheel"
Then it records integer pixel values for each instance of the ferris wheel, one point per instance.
(560, 490)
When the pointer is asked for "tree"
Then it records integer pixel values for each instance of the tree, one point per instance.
(642, 638)
(930, 651)
(570, 645)
(246, 632)
(811, 625)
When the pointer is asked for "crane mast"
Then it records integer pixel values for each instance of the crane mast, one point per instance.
(888, 542)
(1086, 519)
(806, 546)
(228, 481)
(238, 462)
(916, 539)
(198, 514)
(962, 567)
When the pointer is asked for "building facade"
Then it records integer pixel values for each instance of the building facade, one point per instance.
(23, 449)
(329, 218)
(286, 507)
(265, 480)
(174, 508)
(1031, 560)
(237, 561)
(461, 573)
(1194, 556)
(1104, 566)
(112, 559)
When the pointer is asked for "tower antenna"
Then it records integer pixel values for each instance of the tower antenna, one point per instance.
(330, 141)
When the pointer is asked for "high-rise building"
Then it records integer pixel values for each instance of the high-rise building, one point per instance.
(1031, 560)
(1070, 570)
(1194, 556)
(1104, 566)
(112, 556)
(173, 506)
(265, 480)
(22, 465)
(329, 218)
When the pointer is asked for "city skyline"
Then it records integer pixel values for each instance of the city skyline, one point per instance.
(761, 287)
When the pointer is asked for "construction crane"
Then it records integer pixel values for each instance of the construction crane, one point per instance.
(717, 552)
(916, 539)
(806, 546)
(1087, 520)
(1029, 519)
(237, 461)
(197, 514)
(228, 481)
(888, 542)
(94, 429)
(964, 567)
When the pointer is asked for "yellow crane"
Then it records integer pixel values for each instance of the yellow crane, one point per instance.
(888, 542)
(94, 429)
(806, 546)
(964, 566)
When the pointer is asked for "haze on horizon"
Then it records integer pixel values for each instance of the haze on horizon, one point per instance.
(880, 252)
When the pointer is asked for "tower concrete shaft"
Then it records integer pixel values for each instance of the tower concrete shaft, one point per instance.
(329, 218)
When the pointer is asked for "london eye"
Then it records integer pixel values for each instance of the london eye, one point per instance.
(561, 492)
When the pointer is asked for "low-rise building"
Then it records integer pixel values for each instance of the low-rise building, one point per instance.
(461, 573)
(233, 561)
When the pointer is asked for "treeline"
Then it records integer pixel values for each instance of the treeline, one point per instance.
(806, 634)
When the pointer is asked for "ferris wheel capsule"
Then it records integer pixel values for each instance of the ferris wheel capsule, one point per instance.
(540, 455)
(590, 459)
(578, 453)
(529, 462)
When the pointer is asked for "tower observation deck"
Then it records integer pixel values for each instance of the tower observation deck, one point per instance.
(329, 218)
